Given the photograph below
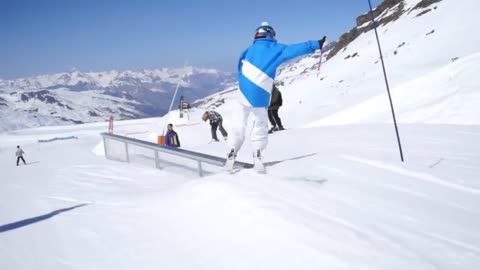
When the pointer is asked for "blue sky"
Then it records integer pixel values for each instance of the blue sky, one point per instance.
(49, 36)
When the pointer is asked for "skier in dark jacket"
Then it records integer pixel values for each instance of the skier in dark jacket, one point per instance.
(19, 153)
(171, 138)
(216, 121)
(275, 104)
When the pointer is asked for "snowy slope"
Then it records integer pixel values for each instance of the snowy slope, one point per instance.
(335, 196)
(342, 201)
(422, 69)
(446, 95)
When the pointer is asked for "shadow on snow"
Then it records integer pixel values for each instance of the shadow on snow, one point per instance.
(29, 221)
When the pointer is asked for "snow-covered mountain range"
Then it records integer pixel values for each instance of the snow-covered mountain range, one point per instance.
(81, 97)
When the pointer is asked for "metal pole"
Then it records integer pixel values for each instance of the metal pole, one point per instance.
(386, 79)
(175, 94)
(320, 62)
(200, 172)
(157, 160)
(105, 147)
(126, 152)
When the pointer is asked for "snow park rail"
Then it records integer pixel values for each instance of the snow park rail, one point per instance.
(183, 153)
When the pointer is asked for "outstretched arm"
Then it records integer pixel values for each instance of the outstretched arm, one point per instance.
(295, 50)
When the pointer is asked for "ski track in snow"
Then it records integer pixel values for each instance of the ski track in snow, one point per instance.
(418, 175)
(68, 199)
(368, 233)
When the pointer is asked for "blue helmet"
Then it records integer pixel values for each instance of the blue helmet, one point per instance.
(264, 30)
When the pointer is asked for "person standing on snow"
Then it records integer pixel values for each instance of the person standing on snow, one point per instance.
(171, 138)
(216, 121)
(256, 72)
(19, 155)
(275, 104)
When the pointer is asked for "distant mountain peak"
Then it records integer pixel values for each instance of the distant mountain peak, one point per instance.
(93, 96)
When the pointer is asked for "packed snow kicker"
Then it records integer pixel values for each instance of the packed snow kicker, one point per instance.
(335, 195)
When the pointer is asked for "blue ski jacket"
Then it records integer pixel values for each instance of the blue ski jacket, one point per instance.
(258, 64)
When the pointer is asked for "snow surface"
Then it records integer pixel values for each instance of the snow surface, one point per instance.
(335, 196)
(341, 201)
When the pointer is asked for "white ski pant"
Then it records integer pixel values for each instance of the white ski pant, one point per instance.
(239, 123)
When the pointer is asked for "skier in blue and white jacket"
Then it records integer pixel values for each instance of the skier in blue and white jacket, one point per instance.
(256, 72)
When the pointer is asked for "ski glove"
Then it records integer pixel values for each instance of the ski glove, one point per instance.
(321, 41)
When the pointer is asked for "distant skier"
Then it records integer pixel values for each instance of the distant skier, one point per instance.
(275, 104)
(171, 138)
(19, 155)
(256, 71)
(216, 121)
